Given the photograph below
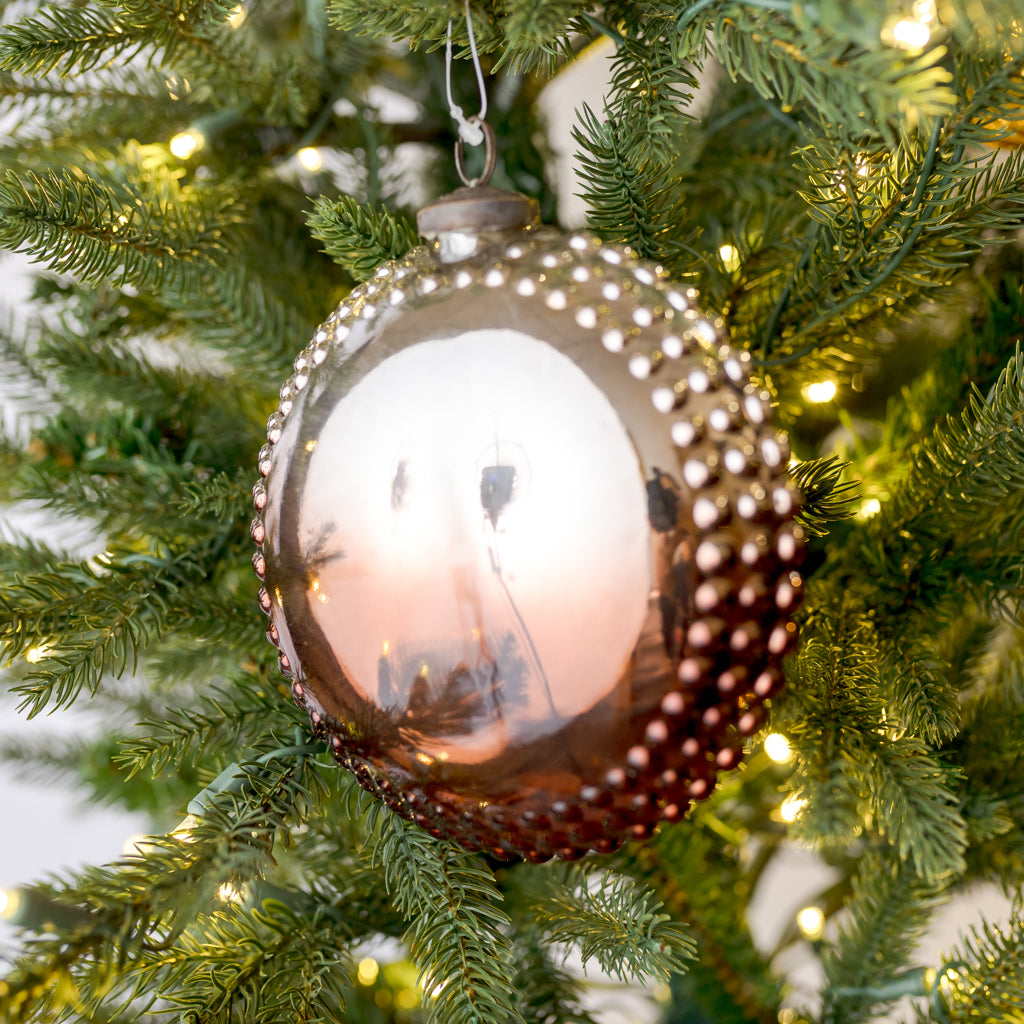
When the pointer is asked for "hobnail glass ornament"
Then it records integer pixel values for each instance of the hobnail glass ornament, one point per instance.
(526, 536)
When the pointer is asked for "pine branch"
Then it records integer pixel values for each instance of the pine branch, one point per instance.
(619, 923)
(854, 84)
(215, 724)
(73, 40)
(825, 498)
(95, 620)
(267, 964)
(361, 236)
(732, 982)
(538, 29)
(222, 497)
(924, 697)
(629, 204)
(546, 993)
(986, 980)
(456, 931)
(965, 469)
(884, 919)
(135, 914)
(528, 35)
(853, 770)
(99, 232)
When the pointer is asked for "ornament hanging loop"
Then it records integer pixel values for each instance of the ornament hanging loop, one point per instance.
(472, 130)
(490, 155)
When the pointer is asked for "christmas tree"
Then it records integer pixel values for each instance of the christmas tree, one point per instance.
(202, 182)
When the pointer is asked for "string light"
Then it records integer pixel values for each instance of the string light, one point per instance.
(870, 507)
(406, 999)
(186, 143)
(811, 922)
(730, 257)
(911, 34)
(228, 892)
(237, 16)
(925, 11)
(821, 391)
(791, 807)
(183, 831)
(8, 903)
(136, 846)
(777, 747)
(34, 655)
(310, 158)
(367, 971)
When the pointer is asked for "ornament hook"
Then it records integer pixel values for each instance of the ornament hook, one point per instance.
(472, 130)
(490, 155)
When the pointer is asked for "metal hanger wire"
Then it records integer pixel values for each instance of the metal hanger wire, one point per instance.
(473, 130)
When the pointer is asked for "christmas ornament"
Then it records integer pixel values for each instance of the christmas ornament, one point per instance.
(526, 536)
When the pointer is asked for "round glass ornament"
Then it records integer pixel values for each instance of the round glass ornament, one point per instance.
(526, 537)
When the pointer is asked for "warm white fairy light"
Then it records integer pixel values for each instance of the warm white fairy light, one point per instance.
(821, 391)
(730, 257)
(811, 922)
(136, 846)
(309, 157)
(912, 34)
(237, 16)
(791, 807)
(367, 971)
(184, 829)
(870, 507)
(925, 11)
(186, 143)
(228, 892)
(777, 747)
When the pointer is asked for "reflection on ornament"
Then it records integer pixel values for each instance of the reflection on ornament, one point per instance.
(526, 537)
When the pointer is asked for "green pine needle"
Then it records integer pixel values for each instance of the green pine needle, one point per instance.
(616, 921)
(360, 236)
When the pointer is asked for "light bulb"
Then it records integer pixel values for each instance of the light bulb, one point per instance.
(367, 971)
(136, 846)
(310, 158)
(185, 144)
(777, 747)
(811, 922)
(925, 10)
(730, 257)
(183, 831)
(10, 902)
(870, 507)
(228, 892)
(237, 16)
(907, 34)
(790, 808)
(821, 391)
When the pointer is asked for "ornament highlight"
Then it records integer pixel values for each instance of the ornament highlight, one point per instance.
(526, 537)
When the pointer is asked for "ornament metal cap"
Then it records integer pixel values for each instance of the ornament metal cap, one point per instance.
(477, 209)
